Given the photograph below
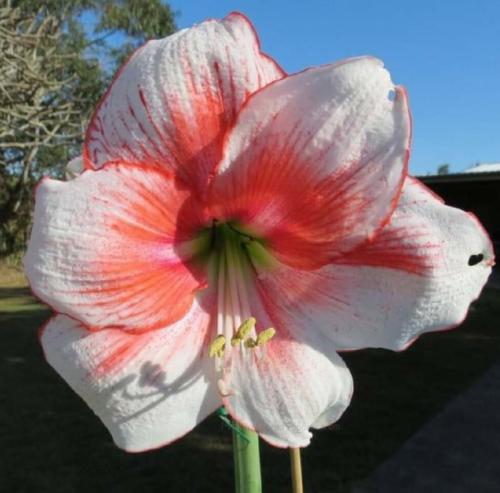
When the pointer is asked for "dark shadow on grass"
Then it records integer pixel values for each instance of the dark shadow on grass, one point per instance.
(52, 442)
(56, 444)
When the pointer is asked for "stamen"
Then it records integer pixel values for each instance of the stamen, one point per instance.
(265, 336)
(221, 297)
(262, 337)
(235, 323)
(243, 331)
(232, 258)
(250, 343)
(217, 347)
(242, 291)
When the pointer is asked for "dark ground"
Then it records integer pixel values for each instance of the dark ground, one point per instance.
(51, 442)
(456, 451)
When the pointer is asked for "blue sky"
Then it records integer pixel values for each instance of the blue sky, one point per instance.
(446, 53)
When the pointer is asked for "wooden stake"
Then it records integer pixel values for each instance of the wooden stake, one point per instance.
(296, 468)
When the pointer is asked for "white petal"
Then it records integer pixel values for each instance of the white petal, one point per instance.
(294, 382)
(104, 247)
(148, 389)
(314, 153)
(414, 278)
(172, 102)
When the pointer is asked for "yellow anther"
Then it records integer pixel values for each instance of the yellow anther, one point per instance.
(243, 331)
(235, 341)
(265, 335)
(217, 346)
(262, 338)
(245, 328)
(250, 343)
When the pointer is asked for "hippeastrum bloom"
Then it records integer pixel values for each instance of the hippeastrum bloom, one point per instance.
(234, 229)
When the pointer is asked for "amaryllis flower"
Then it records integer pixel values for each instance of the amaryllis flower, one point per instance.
(234, 229)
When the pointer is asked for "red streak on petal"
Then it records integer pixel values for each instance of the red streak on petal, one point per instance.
(397, 248)
(302, 215)
(128, 271)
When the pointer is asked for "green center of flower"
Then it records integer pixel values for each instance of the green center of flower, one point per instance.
(232, 241)
(234, 258)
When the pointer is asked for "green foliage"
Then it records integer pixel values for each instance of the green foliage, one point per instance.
(65, 53)
(443, 169)
(138, 19)
(134, 20)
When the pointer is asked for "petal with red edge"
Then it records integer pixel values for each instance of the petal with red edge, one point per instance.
(104, 248)
(294, 382)
(172, 102)
(312, 155)
(413, 278)
(148, 389)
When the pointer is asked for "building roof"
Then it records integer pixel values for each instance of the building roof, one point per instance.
(483, 168)
(479, 172)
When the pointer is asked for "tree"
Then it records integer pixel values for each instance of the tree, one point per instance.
(53, 71)
(443, 169)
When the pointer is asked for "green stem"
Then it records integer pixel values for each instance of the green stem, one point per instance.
(246, 460)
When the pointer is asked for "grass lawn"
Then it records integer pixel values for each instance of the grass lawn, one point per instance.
(51, 442)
